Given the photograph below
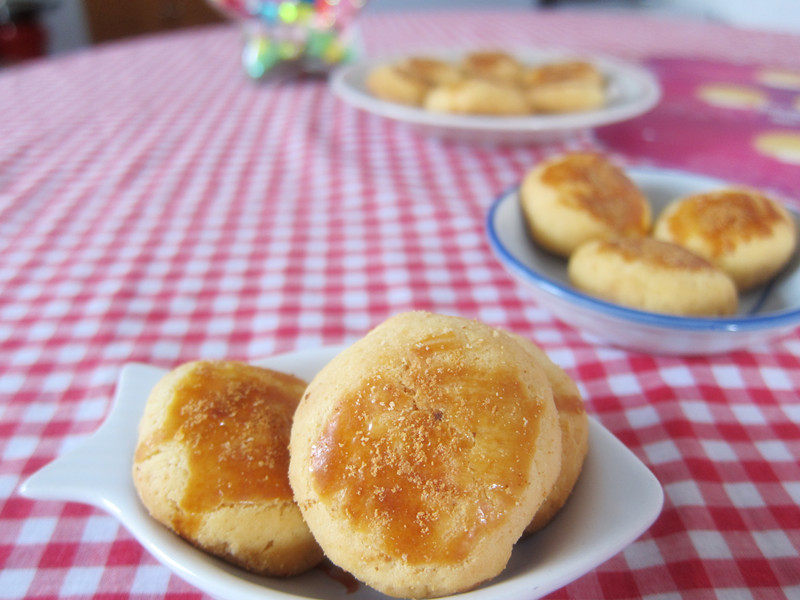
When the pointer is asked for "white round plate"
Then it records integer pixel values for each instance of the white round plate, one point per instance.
(615, 500)
(765, 312)
(632, 90)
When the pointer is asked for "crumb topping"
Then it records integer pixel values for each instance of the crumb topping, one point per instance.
(432, 456)
(234, 421)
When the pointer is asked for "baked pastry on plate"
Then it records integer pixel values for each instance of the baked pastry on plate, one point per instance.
(421, 453)
(574, 434)
(477, 96)
(570, 86)
(212, 464)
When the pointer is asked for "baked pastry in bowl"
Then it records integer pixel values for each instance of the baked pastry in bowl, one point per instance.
(652, 275)
(576, 197)
(744, 232)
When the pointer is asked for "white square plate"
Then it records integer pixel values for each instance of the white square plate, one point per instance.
(615, 500)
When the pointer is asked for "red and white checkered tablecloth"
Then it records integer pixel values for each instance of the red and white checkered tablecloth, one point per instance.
(156, 206)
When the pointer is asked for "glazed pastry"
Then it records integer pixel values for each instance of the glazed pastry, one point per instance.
(212, 464)
(576, 197)
(745, 233)
(420, 454)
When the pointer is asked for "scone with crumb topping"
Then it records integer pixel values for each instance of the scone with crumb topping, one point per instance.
(652, 275)
(576, 197)
(421, 453)
(745, 233)
(212, 464)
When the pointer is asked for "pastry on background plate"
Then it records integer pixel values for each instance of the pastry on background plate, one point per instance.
(421, 453)
(212, 464)
(432, 71)
(745, 233)
(477, 97)
(494, 65)
(388, 82)
(409, 80)
(652, 275)
(576, 197)
(564, 87)
(574, 434)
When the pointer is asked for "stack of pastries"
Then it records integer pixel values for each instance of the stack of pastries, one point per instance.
(414, 460)
(490, 83)
(703, 250)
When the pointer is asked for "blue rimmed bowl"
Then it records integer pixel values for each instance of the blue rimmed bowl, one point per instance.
(764, 313)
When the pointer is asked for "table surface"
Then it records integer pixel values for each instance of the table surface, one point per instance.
(156, 206)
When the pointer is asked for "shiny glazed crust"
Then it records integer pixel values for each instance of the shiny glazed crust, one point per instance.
(397, 454)
(577, 197)
(267, 537)
(746, 234)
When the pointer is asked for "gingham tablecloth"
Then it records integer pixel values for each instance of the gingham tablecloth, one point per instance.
(156, 206)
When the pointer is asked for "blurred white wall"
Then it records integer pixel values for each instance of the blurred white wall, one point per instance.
(68, 30)
(775, 15)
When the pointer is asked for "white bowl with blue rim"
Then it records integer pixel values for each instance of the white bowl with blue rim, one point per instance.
(764, 313)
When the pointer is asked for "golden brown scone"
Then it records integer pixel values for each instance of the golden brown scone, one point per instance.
(564, 87)
(477, 96)
(576, 197)
(745, 233)
(652, 275)
(212, 464)
(574, 434)
(389, 82)
(493, 65)
(557, 72)
(409, 80)
(420, 454)
(431, 70)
